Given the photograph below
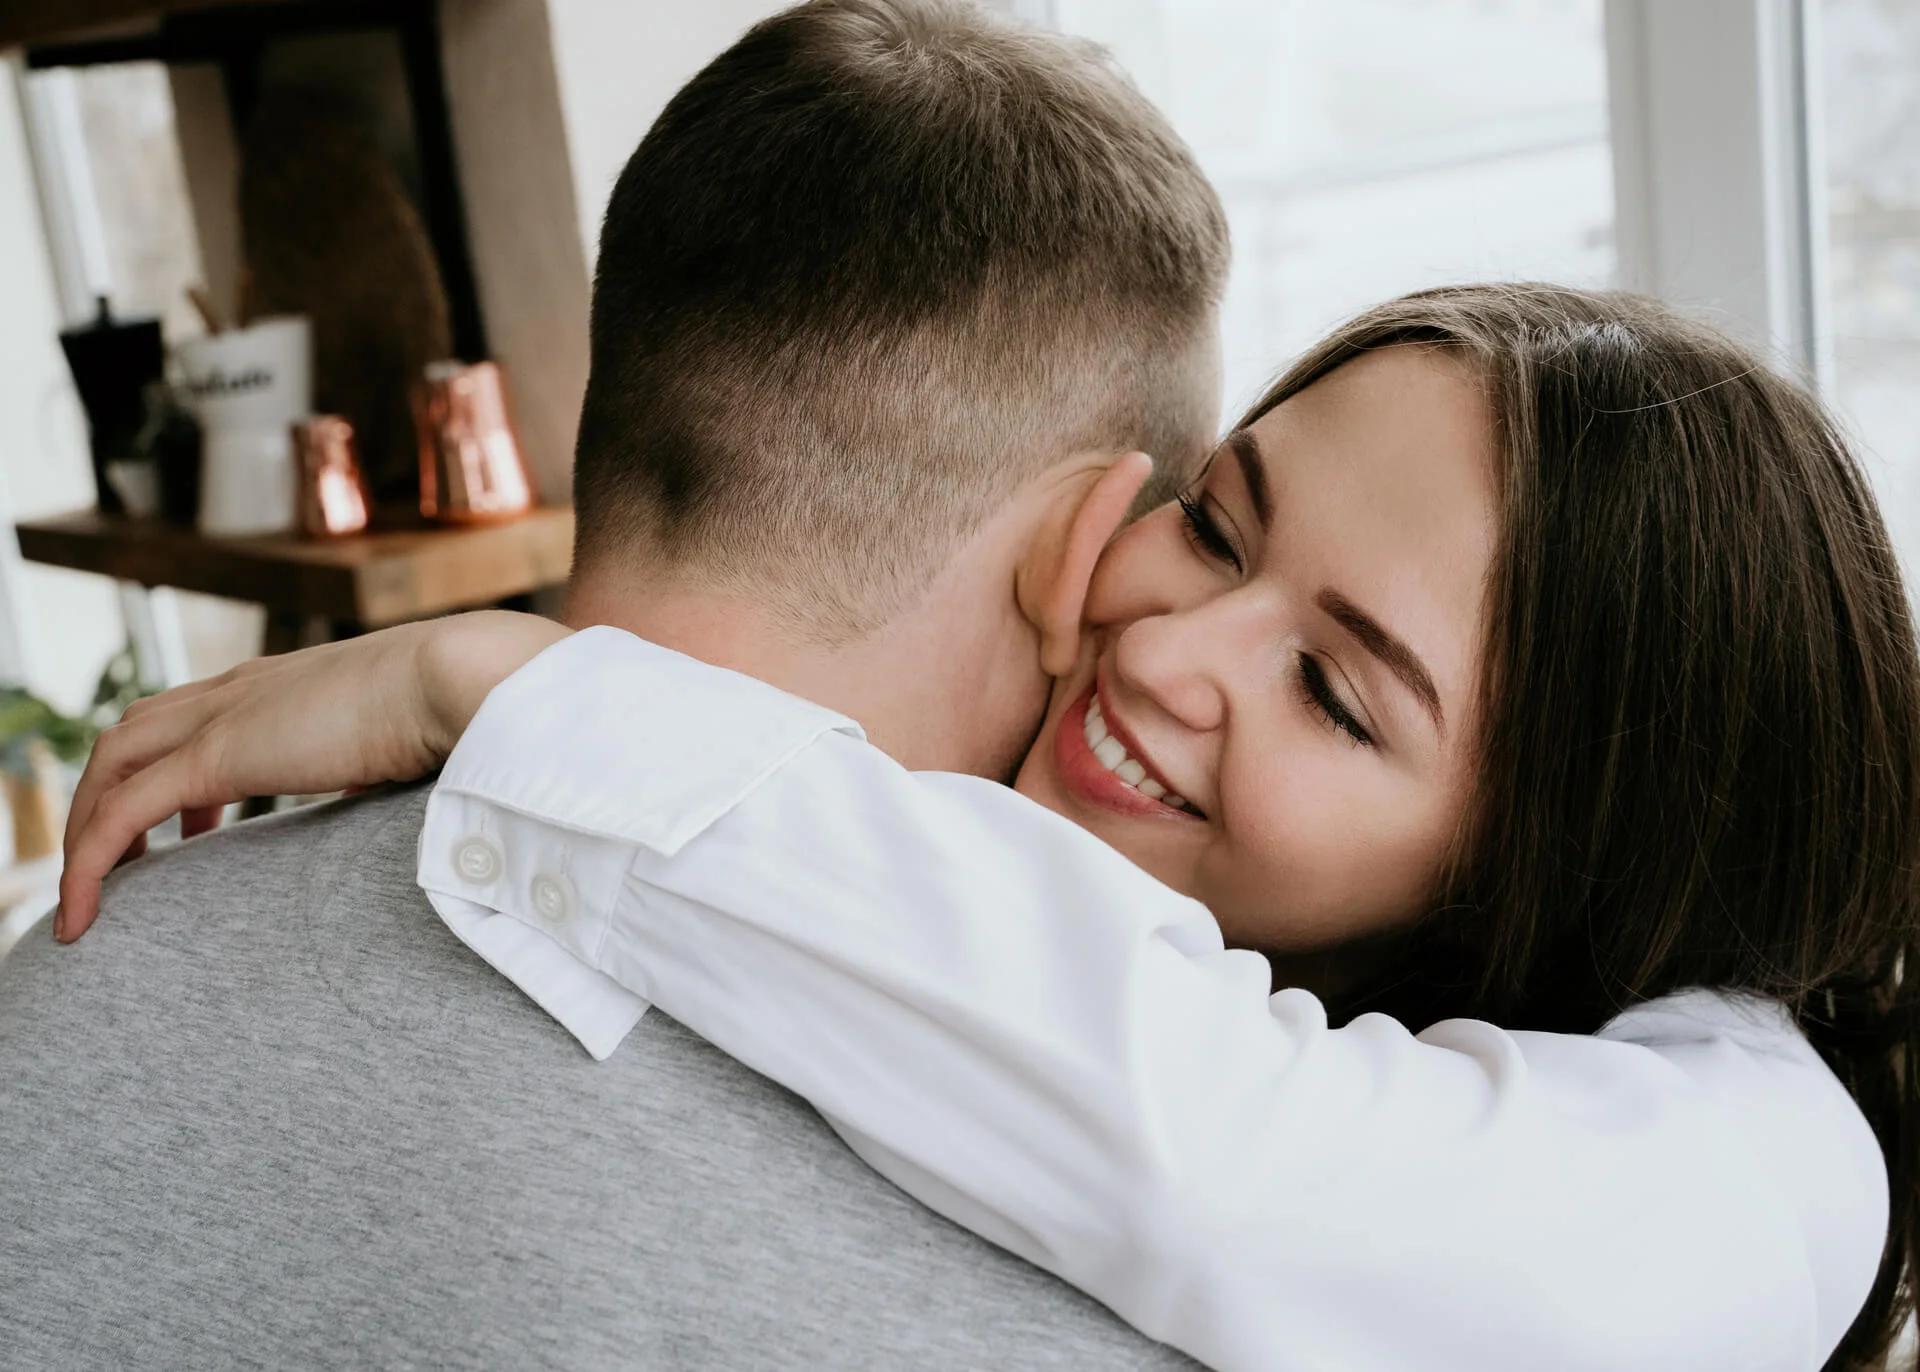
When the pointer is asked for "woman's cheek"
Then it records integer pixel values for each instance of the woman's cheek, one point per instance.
(1319, 854)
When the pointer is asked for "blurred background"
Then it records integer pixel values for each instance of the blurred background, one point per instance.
(420, 183)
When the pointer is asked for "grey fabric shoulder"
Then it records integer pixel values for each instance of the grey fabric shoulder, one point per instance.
(270, 1113)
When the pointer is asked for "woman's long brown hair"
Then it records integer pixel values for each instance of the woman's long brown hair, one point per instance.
(1701, 739)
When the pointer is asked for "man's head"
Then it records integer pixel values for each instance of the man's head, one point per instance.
(877, 267)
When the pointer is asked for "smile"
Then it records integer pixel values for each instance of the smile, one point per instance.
(1113, 755)
(1097, 763)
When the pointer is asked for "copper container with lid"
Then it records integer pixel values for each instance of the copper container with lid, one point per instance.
(333, 493)
(471, 470)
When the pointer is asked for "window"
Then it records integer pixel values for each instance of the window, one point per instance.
(1372, 147)
(147, 256)
(1872, 109)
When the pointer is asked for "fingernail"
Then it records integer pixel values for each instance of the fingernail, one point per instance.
(60, 924)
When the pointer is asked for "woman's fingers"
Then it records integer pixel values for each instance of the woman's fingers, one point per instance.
(180, 781)
(161, 700)
(173, 695)
(134, 743)
(150, 729)
(385, 707)
(199, 819)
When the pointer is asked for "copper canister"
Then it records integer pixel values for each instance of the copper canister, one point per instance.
(333, 493)
(470, 464)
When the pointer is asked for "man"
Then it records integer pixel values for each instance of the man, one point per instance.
(884, 299)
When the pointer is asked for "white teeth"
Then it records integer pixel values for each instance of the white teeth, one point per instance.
(1113, 756)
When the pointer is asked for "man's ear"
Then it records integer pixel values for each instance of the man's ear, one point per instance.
(1052, 581)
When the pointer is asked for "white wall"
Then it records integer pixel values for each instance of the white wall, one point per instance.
(523, 222)
(548, 99)
(69, 622)
(618, 62)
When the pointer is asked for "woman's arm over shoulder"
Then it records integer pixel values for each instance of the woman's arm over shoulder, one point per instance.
(1745, 1054)
(1024, 1030)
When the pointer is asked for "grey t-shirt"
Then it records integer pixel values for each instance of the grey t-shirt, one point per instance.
(271, 1113)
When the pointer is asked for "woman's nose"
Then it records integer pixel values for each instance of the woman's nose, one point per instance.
(1186, 661)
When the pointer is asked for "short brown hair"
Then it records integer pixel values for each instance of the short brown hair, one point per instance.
(877, 263)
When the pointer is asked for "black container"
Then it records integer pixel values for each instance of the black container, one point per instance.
(171, 440)
(112, 362)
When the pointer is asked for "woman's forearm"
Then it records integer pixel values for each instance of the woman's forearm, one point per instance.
(388, 706)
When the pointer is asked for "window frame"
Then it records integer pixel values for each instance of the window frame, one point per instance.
(70, 221)
(1719, 167)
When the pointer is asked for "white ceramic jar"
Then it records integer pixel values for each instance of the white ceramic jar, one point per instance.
(247, 387)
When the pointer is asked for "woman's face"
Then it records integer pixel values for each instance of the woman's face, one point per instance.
(1274, 710)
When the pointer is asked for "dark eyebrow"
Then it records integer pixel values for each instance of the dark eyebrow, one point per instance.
(1397, 656)
(1253, 470)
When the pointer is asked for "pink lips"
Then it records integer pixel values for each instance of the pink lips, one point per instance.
(1082, 774)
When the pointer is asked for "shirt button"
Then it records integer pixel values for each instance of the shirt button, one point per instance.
(552, 897)
(478, 860)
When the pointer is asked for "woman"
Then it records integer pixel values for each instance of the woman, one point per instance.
(1626, 705)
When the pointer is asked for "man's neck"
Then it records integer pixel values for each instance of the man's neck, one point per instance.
(908, 685)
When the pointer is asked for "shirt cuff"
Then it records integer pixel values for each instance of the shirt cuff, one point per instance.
(590, 1005)
(537, 816)
(693, 740)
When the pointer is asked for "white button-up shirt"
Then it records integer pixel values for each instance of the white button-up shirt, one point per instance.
(1028, 1033)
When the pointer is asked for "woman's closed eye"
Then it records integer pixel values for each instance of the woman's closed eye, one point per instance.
(1319, 693)
(1205, 531)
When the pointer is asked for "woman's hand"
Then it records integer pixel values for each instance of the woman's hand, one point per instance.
(385, 707)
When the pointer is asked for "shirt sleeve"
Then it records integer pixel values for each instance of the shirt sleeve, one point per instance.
(1033, 1037)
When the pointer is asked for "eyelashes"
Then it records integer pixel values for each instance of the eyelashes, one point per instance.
(1319, 693)
(1208, 538)
(1205, 533)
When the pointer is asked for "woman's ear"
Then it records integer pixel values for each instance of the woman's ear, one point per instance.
(1054, 576)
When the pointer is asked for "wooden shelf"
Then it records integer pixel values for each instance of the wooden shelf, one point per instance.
(99, 21)
(369, 580)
